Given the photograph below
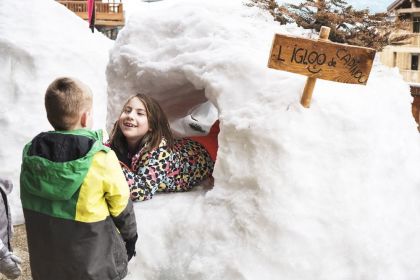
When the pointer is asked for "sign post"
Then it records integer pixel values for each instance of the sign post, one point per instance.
(310, 82)
(321, 59)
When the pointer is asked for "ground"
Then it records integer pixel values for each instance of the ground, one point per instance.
(20, 247)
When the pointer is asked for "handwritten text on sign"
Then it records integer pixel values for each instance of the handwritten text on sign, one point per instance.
(321, 59)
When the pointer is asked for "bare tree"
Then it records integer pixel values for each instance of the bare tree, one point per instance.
(348, 25)
(279, 12)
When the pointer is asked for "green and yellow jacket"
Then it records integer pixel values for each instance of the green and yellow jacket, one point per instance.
(76, 207)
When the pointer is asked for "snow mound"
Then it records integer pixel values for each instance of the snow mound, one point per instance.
(330, 192)
(40, 41)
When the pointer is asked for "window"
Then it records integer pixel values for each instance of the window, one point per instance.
(416, 24)
(414, 62)
(394, 59)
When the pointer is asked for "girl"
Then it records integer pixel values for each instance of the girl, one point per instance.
(151, 159)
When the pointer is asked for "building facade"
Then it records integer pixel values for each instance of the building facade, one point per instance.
(406, 55)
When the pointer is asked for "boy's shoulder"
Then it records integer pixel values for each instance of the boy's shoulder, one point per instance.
(97, 135)
(64, 146)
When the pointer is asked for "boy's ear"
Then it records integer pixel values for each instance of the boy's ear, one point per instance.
(84, 119)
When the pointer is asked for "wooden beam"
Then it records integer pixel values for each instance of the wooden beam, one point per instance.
(100, 23)
(408, 10)
(310, 82)
(103, 16)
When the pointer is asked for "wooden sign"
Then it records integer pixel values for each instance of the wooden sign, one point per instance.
(321, 59)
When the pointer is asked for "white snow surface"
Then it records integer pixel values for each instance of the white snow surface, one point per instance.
(40, 41)
(330, 192)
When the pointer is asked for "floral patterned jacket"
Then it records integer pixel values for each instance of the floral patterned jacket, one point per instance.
(168, 170)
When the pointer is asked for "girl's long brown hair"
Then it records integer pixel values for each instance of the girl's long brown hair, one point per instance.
(158, 128)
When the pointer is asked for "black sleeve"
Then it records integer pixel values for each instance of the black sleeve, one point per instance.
(126, 222)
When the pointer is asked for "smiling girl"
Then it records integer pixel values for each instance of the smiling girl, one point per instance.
(151, 159)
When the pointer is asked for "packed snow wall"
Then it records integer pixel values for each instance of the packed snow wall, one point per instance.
(330, 192)
(39, 42)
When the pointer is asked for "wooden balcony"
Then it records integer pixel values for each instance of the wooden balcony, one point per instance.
(107, 14)
(415, 40)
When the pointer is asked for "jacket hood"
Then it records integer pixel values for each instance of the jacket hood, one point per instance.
(55, 163)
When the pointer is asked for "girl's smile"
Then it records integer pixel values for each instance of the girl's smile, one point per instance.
(129, 124)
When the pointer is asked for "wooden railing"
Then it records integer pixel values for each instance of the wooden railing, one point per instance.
(415, 40)
(106, 14)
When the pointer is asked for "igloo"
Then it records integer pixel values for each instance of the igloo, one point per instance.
(330, 192)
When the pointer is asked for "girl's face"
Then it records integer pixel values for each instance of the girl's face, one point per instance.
(133, 121)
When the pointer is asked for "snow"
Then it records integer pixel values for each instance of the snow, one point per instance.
(330, 192)
(40, 41)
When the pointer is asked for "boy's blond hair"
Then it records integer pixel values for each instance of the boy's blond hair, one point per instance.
(65, 100)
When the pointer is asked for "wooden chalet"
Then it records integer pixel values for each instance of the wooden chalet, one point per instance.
(406, 56)
(109, 14)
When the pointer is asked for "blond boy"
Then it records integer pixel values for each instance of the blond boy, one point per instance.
(79, 219)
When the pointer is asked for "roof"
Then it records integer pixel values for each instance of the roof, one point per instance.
(394, 5)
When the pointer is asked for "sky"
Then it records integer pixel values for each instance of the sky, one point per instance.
(376, 6)
(330, 192)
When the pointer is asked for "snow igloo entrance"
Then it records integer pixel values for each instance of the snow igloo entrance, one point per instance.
(189, 112)
(191, 115)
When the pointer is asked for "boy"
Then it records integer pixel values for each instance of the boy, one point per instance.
(9, 263)
(74, 195)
